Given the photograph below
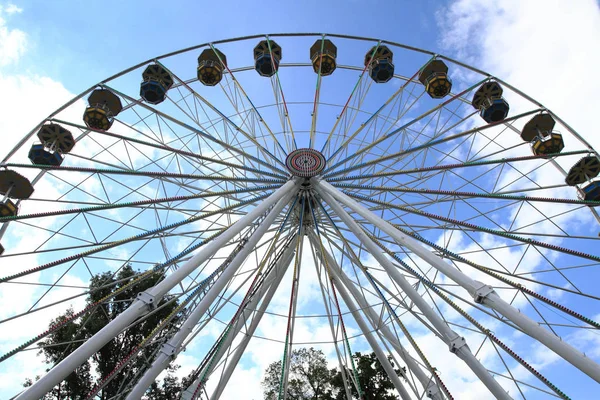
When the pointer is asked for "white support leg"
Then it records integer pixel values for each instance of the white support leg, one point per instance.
(456, 343)
(139, 307)
(241, 321)
(243, 318)
(480, 292)
(316, 257)
(281, 268)
(173, 346)
(295, 284)
(387, 366)
(427, 382)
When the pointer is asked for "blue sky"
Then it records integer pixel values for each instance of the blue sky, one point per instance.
(64, 31)
(50, 51)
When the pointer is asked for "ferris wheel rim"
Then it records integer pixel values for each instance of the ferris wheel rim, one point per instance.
(255, 36)
(104, 84)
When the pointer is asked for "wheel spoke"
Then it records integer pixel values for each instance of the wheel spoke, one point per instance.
(447, 214)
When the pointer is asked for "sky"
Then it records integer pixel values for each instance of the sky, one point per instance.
(51, 51)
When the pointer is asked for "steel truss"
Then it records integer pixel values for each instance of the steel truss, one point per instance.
(426, 226)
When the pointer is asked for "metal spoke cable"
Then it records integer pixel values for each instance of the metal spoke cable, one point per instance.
(222, 115)
(313, 125)
(197, 293)
(219, 343)
(503, 279)
(500, 196)
(250, 115)
(507, 235)
(126, 240)
(342, 113)
(202, 133)
(165, 147)
(395, 132)
(423, 146)
(293, 296)
(92, 306)
(287, 114)
(142, 173)
(375, 114)
(392, 312)
(337, 304)
(85, 293)
(453, 166)
(479, 326)
(442, 130)
(136, 203)
(241, 89)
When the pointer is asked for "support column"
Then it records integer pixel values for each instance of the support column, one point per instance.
(480, 292)
(280, 270)
(428, 383)
(139, 307)
(330, 319)
(172, 347)
(387, 366)
(456, 343)
(292, 325)
(241, 321)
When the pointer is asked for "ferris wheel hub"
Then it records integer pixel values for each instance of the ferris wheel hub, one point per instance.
(305, 163)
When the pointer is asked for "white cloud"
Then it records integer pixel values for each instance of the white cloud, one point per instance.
(504, 40)
(19, 117)
(544, 48)
(13, 42)
(13, 9)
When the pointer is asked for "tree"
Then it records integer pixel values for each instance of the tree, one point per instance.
(309, 378)
(374, 381)
(64, 341)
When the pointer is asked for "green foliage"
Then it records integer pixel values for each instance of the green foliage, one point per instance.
(65, 340)
(374, 381)
(310, 379)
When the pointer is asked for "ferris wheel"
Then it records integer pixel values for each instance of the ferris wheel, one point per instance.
(294, 190)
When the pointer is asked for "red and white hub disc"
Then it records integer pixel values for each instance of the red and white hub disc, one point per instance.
(305, 163)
